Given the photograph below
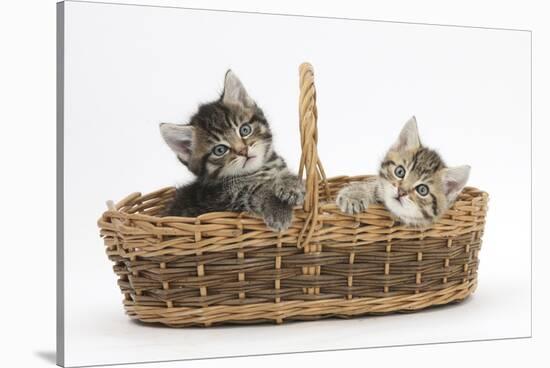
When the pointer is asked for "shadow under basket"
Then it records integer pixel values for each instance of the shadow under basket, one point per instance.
(228, 267)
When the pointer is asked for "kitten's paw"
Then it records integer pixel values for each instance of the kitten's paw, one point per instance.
(352, 201)
(279, 219)
(290, 190)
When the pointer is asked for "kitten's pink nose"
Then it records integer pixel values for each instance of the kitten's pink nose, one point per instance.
(401, 192)
(243, 151)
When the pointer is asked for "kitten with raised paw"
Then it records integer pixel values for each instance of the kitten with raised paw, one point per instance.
(413, 183)
(228, 146)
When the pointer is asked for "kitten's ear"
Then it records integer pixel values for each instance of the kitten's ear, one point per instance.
(179, 138)
(408, 138)
(234, 92)
(454, 180)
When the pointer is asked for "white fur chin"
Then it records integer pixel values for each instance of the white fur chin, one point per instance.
(253, 164)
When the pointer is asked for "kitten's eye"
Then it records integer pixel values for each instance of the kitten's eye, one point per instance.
(245, 130)
(423, 190)
(219, 150)
(400, 172)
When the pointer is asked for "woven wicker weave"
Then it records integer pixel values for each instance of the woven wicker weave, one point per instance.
(229, 267)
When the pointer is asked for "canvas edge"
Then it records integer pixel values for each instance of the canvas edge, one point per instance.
(60, 277)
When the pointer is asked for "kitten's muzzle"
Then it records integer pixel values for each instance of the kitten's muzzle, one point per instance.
(401, 193)
(242, 151)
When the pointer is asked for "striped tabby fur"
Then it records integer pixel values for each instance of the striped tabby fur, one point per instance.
(413, 183)
(228, 146)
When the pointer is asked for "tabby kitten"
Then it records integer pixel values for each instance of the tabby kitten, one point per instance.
(228, 146)
(413, 183)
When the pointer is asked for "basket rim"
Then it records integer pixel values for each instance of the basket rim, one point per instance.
(471, 191)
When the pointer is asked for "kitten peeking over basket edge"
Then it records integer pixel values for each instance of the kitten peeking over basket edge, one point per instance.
(228, 146)
(413, 183)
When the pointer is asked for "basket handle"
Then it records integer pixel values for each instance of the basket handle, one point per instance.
(309, 161)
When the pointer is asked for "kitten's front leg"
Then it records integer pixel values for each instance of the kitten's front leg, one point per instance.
(277, 214)
(289, 189)
(356, 197)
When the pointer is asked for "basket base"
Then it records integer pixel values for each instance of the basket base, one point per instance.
(297, 310)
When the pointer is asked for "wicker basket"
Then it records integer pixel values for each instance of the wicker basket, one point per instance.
(229, 267)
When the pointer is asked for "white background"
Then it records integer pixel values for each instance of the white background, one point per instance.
(129, 67)
(28, 311)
